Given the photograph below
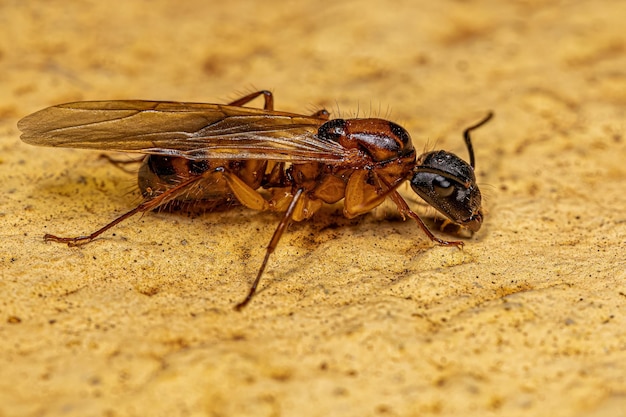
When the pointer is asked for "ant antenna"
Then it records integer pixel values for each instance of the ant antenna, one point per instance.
(468, 140)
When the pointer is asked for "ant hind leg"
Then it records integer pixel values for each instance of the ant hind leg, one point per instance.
(149, 204)
(267, 96)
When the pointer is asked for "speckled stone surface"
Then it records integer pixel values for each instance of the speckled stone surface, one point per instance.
(359, 317)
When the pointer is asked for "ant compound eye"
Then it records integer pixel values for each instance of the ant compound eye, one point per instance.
(332, 130)
(442, 186)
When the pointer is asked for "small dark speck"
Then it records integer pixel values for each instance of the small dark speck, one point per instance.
(14, 320)
(52, 321)
(183, 242)
(611, 317)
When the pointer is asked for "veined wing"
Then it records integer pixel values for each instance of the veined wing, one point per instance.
(189, 130)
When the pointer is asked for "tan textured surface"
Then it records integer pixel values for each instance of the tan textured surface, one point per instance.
(362, 318)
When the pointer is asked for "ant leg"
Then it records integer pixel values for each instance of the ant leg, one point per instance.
(147, 205)
(322, 114)
(121, 163)
(404, 210)
(282, 226)
(245, 194)
(267, 96)
(81, 240)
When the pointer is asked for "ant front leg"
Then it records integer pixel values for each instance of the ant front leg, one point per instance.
(404, 210)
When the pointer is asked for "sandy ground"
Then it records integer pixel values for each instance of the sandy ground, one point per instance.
(358, 317)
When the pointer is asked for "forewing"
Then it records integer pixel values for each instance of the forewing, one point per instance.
(189, 130)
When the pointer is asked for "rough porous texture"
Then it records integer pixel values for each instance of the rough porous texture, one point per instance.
(359, 317)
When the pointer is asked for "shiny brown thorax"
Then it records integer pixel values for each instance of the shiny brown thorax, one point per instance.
(384, 149)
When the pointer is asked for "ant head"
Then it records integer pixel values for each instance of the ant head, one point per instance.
(447, 183)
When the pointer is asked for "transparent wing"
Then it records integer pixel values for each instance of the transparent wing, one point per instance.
(189, 130)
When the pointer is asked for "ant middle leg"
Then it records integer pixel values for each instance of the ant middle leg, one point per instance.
(278, 233)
